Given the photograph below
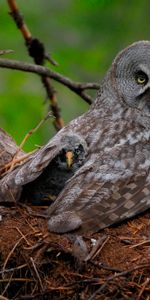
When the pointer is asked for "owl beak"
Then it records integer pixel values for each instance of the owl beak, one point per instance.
(69, 158)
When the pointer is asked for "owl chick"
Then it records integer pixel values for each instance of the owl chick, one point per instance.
(45, 188)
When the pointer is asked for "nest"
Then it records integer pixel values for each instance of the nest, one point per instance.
(36, 264)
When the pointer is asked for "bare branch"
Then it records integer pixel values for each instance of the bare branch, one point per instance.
(36, 50)
(76, 87)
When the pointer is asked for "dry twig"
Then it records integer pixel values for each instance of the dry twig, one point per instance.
(97, 247)
(123, 273)
(143, 288)
(37, 51)
(18, 160)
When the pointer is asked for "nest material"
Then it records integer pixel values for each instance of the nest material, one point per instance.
(35, 264)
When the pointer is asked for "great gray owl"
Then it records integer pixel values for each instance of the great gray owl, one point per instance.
(114, 182)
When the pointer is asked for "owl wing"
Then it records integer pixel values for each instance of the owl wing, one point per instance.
(11, 184)
(95, 205)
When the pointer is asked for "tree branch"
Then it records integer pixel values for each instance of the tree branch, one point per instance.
(36, 50)
(76, 87)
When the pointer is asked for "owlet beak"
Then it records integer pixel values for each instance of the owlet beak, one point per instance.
(69, 158)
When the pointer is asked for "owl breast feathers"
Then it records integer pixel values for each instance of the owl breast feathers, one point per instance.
(113, 183)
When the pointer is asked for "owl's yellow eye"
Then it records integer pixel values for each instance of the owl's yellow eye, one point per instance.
(141, 78)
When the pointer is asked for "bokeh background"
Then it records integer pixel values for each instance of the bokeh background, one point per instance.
(83, 36)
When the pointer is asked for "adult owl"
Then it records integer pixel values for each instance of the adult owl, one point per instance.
(113, 184)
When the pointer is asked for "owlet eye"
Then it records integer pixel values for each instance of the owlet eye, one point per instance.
(141, 78)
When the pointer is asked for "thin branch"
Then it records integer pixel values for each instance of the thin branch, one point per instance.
(2, 52)
(143, 288)
(36, 274)
(97, 247)
(16, 159)
(76, 87)
(13, 269)
(141, 243)
(123, 273)
(10, 254)
(36, 50)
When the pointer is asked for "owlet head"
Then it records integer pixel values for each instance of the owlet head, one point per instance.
(130, 76)
(73, 152)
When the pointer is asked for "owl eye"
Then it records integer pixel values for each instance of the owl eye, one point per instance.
(79, 150)
(141, 78)
(62, 156)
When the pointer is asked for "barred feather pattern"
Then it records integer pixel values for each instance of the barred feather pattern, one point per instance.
(114, 182)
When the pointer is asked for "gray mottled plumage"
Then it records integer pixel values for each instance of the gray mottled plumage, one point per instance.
(114, 182)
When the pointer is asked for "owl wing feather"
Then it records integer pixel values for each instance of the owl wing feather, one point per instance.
(11, 184)
(98, 204)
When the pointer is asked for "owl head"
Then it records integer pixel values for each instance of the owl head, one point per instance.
(130, 75)
(73, 151)
(128, 79)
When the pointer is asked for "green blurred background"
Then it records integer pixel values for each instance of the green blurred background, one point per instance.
(83, 36)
